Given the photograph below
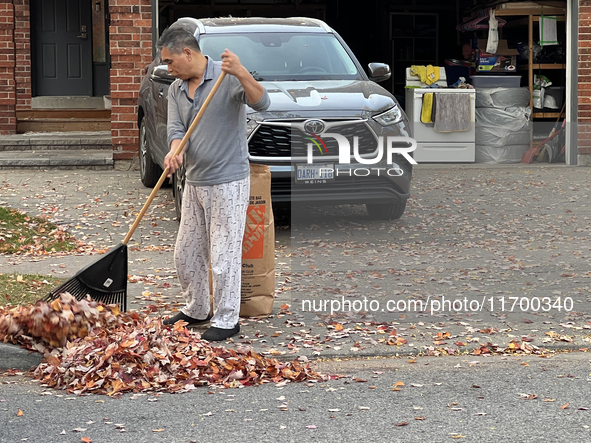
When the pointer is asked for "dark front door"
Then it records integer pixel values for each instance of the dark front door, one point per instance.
(63, 47)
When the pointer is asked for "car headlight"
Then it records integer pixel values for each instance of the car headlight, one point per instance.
(391, 116)
(251, 125)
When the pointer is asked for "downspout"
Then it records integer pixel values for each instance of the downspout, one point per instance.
(572, 65)
(155, 14)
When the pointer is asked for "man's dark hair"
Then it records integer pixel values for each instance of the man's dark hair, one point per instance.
(175, 39)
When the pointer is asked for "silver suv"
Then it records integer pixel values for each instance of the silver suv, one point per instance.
(316, 86)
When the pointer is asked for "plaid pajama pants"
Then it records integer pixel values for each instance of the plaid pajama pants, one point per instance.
(211, 230)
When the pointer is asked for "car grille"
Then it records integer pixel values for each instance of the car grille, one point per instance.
(284, 141)
(343, 189)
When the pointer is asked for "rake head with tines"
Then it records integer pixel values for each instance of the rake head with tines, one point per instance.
(104, 280)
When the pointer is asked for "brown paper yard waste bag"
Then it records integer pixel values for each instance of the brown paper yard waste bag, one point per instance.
(258, 248)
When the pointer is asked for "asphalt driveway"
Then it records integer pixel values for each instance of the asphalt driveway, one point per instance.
(485, 258)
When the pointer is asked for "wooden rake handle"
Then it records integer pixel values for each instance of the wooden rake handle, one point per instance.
(177, 152)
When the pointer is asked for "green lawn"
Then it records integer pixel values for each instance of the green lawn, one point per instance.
(24, 234)
(22, 289)
(21, 233)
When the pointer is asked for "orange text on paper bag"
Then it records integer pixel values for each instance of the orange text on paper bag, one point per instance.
(254, 233)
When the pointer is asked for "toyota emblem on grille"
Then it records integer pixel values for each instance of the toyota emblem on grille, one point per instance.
(314, 126)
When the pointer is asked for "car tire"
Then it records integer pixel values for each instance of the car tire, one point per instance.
(178, 187)
(150, 172)
(388, 211)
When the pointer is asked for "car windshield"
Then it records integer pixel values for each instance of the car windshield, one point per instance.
(285, 56)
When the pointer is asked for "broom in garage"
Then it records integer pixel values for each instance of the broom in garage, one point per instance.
(529, 155)
(105, 280)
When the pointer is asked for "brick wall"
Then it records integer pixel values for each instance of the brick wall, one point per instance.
(131, 50)
(7, 65)
(22, 49)
(584, 74)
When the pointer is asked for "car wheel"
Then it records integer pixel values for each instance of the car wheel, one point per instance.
(388, 211)
(178, 186)
(150, 172)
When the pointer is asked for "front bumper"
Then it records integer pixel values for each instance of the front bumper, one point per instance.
(346, 188)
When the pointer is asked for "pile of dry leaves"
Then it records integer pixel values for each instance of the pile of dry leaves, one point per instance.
(53, 324)
(93, 348)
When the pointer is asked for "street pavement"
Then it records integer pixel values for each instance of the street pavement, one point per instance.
(456, 398)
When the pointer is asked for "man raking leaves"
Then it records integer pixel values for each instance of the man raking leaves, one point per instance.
(216, 191)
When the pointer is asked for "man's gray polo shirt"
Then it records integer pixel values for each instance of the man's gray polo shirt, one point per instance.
(217, 151)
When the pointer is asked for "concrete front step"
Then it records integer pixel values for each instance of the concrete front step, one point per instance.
(57, 140)
(57, 150)
(57, 159)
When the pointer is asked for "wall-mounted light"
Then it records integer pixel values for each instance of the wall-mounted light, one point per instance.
(97, 6)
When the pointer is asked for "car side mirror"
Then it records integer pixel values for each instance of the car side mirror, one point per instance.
(378, 72)
(161, 75)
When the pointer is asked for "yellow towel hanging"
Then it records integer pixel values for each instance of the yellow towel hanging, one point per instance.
(427, 108)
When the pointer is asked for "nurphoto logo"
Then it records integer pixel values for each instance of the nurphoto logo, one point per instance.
(345, 149)
(387, 147)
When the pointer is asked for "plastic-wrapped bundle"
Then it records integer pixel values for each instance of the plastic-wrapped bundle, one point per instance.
(504, 154)
(498, 137)
(497, 127)
(511, 119)
(502, 97)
